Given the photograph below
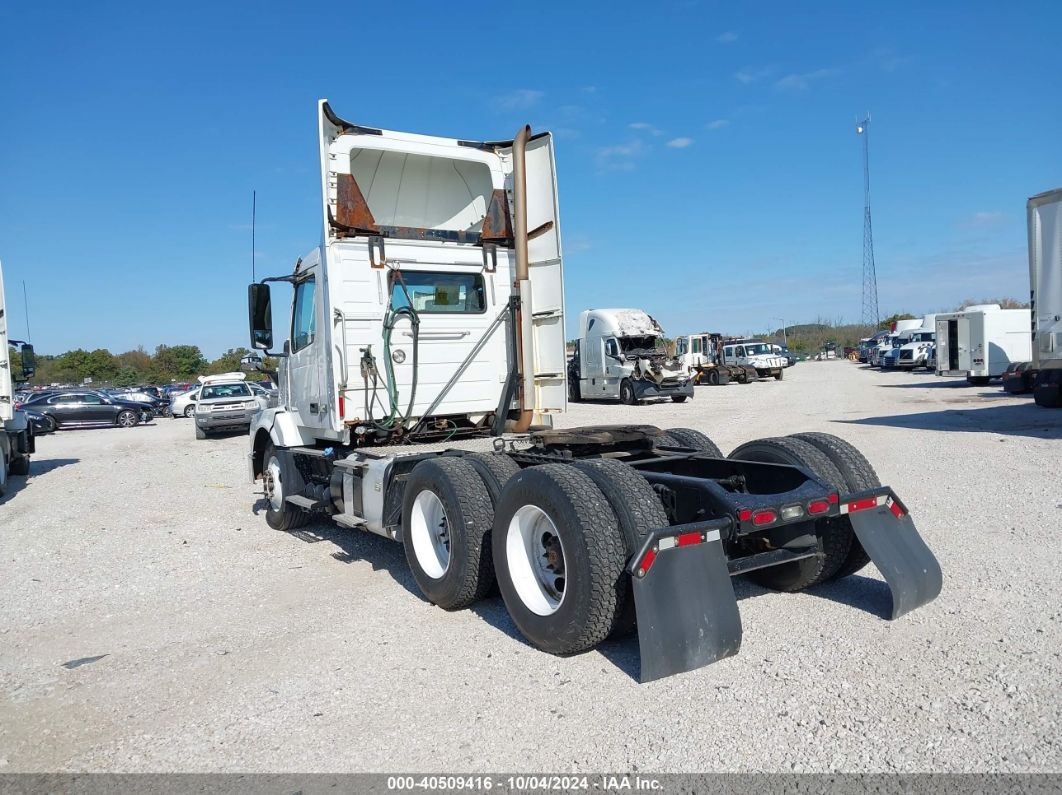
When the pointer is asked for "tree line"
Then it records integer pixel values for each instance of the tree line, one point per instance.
(168, 364)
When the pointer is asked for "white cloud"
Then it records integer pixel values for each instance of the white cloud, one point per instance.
(620, 157)
(727, 38)
(803, 80)
(644, 126)
(680, 143)
(752, 75)
(519, 99)
(717, 124)
(986, 218)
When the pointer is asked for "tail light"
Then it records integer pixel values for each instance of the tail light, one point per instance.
(764, 517)
(342, 406)
(818, 506)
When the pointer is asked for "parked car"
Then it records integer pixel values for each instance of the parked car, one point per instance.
(78, 408)
(158, 404)
(225, 403)
(269, 394)
(183, 404)
(784, 352)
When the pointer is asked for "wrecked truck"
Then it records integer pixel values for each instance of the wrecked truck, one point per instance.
(620, 356)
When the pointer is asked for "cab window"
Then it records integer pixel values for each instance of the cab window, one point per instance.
(680, 347)
(611, 349)
(439, 293)
(696, 344)
(304, 318)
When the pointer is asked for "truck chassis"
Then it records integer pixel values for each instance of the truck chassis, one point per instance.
(576, 525)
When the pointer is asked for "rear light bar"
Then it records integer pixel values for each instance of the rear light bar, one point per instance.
(787, 513)
(673, 542)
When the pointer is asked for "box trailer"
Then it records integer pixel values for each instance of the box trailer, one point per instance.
(981, 341)
(1045, 290)
(425, 361)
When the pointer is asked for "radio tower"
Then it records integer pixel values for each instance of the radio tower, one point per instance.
(871, 316)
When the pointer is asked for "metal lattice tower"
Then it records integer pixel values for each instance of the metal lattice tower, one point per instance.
(871, 315)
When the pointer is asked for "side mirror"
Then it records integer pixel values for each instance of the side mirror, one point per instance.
(29, 360)
(260, 313)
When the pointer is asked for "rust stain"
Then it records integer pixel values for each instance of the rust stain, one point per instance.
(352, 211)
(497, 225)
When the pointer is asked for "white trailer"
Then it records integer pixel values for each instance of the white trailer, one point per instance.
(981, 341)
(619, 356)
(16, 434)
(1045, 284)
(429, 319)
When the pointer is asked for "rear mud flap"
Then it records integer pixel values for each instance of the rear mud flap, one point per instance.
(890, 539)
(687, 613)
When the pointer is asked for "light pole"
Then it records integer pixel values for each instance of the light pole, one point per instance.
(784, 340)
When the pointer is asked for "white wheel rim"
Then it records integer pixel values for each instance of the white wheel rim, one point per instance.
(274, 487)
(190, 411)
(429, 532)
(535, 556)
(127, 419)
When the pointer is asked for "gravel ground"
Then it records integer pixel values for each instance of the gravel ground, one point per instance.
(208, 642)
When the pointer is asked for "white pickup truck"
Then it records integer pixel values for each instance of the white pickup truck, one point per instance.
(755, 354)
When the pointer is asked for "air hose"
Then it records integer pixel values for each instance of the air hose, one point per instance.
(395, 419)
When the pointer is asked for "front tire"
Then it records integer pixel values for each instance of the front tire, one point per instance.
(574, 393)
(559, 557)
(200, 433)
(447, 516)
(20, 465)
(127, 419)
(626, 393)
(678, 398)
(279, 479)
(779, 375)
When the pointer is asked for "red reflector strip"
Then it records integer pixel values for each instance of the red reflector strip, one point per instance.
(342, 407)
(745, 514)
(819, 506)
(895, 508)
(764, 517)
(647, 561)
(861, 505)
(686, 539)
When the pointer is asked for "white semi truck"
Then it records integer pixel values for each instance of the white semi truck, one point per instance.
(16, 434)
(981, 341)
(1045, 282)
(425, 364)
(620, 356)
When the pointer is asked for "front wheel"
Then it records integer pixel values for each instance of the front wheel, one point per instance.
(20, 465)
(559, 558)
(189, 411)
(779, 375)
(128, 419)
(626, 393)
(574, 393)
(279, 479)
(678, 398)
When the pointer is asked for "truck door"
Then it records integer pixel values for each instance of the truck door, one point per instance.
(305, 367)
(615, 368)
(963, 344)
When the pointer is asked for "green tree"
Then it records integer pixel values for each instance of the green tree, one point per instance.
(887, 322)
(177, 361)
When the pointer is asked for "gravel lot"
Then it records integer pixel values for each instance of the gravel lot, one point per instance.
(225, 646)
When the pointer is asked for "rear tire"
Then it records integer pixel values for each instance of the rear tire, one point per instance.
(638, 511)
(713, 377)
(694, 440)
(626, 393)
(678, 398)
(858, 474)
(495, 469)
(574, 393)
(559, 556)
(447, 516)
(834, 540)
(20, 465)
(189, 411)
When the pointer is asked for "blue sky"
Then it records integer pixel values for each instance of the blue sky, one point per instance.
(708, 164)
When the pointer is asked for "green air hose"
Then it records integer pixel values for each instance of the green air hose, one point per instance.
(395, 417)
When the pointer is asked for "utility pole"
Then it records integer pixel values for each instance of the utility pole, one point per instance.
(871, 315)
(785, 341)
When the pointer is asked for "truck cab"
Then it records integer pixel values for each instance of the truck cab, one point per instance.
(621, 356)
(755, 354)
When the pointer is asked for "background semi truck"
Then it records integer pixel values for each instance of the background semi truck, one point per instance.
(1045, 283)
(425, 364)
(620, 356)
(981, 341)
(16, 434)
